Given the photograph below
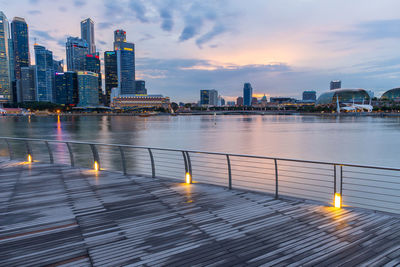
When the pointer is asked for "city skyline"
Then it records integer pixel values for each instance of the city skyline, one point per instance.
(206, 48)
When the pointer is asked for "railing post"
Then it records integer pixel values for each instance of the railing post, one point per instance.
(10, 152)
(184, 159)
(276, 179)
(28, 149)
(334, 179)
(121, 151)
(96, 157)
(50, 152)
(229, 171)
(189, 164)
(71, 154)
(341, 181)
(153, 166)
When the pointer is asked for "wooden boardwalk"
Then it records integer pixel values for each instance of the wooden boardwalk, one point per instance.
(59, 216)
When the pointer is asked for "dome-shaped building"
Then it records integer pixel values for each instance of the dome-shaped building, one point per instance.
(344, 95)
(391, 95)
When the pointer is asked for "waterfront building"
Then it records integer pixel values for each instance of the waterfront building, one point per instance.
(254, 101)
(27, 85)
(239, 101)
(391, 95)
(345, 96)
(76, 49)
(309, 96)
(5, 71)
(281, 100)
(87, 34)
(44, 74)
(92, 63)
(221, 101)
(111, 74)
(209, 97)
(125, 63)
(66, 84)
(141, 101)
(140, 87)
(88, 85)
(58, 65)
(336, 84)
(20, 40)
(231, 103)
(247, 94)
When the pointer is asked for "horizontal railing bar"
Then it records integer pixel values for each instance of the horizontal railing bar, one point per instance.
(379, 174)
(374, 180)
(370, 193)
(297, 177)
(374, 186)
(287, 193)
(376, 200)
(305, 189)
(312, 173)
(372, 205)
(302, 189)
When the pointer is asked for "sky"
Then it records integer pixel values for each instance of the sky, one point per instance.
(282, 47)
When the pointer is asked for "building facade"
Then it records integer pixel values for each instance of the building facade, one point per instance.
(209, 97)
(44, 74)
(76, 49)
(87, 34)
(336, 84)
(88, 85)
(247, 94)
(141, 101)
(110, 74)
(239, 101)
(20, 39)
(66, 84)
(5, 71)
(140, 87)
(125, 63)
(27, 85)
(309, 96)
(92, 63)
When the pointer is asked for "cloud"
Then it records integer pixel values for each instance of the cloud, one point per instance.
(167, 20)
(215, 31)
(79, 3)
(104, 25)
(62, 9)
(139, 9)
(43, 35)
(34, 12)
(378, 29)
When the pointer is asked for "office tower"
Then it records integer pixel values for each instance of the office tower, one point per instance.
(87, 34)
(126, 63)
(309, 96)
(111, 74)
(5, 71)
(58, 65)
(92, 63)
(76, 49)
(239, 101)
(88, 85)
(27, 84)
(247, 94)
(209, 97)
(140, 86)
(254, 101)
(336, 84)
(44, 74)
(66, 84)
(20, 38)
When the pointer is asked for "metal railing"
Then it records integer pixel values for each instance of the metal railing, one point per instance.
(371, 187)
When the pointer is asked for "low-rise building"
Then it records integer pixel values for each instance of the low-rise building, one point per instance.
(140, 101)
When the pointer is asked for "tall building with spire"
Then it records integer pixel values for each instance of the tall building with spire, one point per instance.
(5, 71)
(125, 53)
(87, 34)
(76, 49)
(20, 39)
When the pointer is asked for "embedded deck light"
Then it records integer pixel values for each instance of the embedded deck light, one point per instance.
(29, 158)
(188, 178)
(338, 201)
(96, 166)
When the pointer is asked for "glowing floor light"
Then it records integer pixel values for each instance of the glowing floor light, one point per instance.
(29, 158)
(338, 201)
(188, 178)
(96, 166)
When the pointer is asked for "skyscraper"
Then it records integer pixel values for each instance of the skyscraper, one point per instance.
(66, 84)
(140, 86)
(5, 71)
(309, 96)
(20, 38)
(76, 49)
(44, 74)
(92, 63)
(111, 74)
(88, 88)
(58, 65)
(125, 62)
(336, 84)
(247, 94)
(27, 84)
(87, 34)
(209, 97)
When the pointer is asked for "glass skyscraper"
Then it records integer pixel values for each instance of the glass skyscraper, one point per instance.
(92, 63)
(27, 84)
(87, 34)
(20, 38)
(76, 49)
(209, 97)
(126, 63)
(44, 74)
(111, 73)
(88, 88)
(247, 94)
(5, 71)
(66, 84)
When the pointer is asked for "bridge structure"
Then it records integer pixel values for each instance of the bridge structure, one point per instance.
(66, 203)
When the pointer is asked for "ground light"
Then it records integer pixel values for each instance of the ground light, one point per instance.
(96, 166)
(338, 200)
(188, 178)
(29, 158)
